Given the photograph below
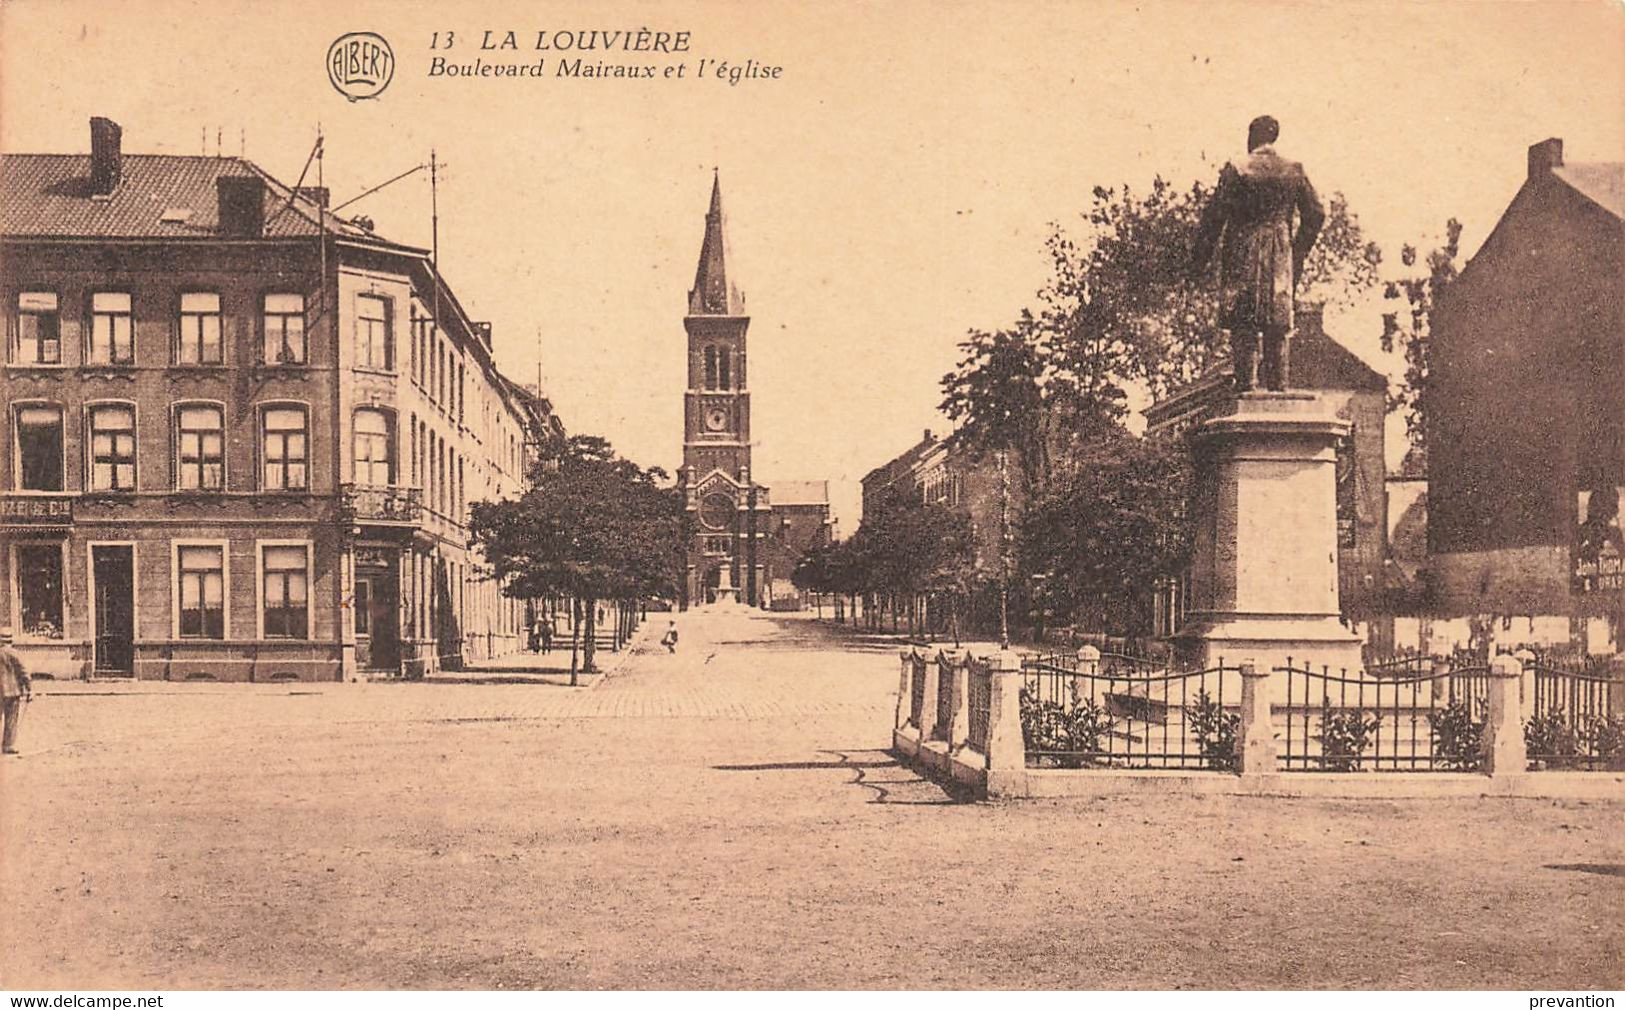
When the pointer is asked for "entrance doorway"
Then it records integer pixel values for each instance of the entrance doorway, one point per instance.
(113, 572)
(377, 621)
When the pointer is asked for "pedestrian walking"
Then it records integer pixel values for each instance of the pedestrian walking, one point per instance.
(669, 639)
(547, 637)
(16, 689)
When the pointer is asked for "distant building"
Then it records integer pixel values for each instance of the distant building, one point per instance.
(938, 472)
(747, 537)
(1357, 393)
(1526, 409)
(242, 432)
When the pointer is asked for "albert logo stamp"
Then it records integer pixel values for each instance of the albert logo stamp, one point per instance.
(360, 65)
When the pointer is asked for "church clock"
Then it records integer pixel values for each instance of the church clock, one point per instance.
(716, 419)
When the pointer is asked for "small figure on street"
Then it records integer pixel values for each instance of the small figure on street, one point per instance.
(533, 639)
(1252, 210)
(546, 636)
(669, 639)
(16, 689)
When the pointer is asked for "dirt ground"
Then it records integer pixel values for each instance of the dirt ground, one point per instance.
(725, 817)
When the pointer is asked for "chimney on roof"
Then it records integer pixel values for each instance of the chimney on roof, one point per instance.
(242, 205)
(106, 162)
(928, 434)
(317, 195)
(1545, 156)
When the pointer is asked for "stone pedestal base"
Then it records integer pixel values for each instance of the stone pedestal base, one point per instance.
(1269, 641)
(1264, 564)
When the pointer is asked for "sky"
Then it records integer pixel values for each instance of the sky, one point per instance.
(890, 189)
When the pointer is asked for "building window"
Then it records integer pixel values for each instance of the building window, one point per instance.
(434, 369)
(112, 448)
(440, 372)
(39, 593)
(286, 592)
(361, 606)
(39, 448)
(372, 346)
(39, 338)
(374, 460)
(200, 448)
(112, 340)
(199, 330)
(285, 330)
(725, 359)
(710, 366)
(202, 591)
(286, 452)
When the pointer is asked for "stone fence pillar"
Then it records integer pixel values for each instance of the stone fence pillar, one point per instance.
(1006, 750)
(1255, 738)
(1088, 666)
(959, 729)
(1504, 752)
(905, 690)
(928, 704)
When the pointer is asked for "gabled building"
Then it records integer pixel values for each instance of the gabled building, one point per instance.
(747, 537)
(1526, 409)
(242, 431)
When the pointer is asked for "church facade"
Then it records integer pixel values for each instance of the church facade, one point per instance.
(746, 537)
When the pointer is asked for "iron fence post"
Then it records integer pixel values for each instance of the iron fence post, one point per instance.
(1006, 751)
(1504, 752)
(1255, 743)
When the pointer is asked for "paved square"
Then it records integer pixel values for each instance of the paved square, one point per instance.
(724, 817)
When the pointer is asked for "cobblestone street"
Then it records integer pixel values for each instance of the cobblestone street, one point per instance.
(724, 817)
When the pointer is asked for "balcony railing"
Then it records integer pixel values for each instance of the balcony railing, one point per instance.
(394, 506)
(44, 510)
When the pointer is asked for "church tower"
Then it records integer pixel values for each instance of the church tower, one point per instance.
(716, 477)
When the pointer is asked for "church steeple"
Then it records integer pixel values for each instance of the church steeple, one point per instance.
(714, 294)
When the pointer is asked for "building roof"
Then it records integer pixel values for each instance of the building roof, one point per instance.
(799, 492)
(715, 293)
(171, 196)
(897, 465)
(1601, 182)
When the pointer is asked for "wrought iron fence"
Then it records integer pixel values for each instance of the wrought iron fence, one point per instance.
(946, 666)
(978, 702)
(1338, 721)
(1124, 713)
(916, 688)
(1574, 722)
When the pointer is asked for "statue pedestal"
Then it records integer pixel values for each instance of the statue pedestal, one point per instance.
(727, 592)
(1264, 564)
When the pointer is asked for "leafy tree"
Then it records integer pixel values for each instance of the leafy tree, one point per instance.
(1104, 534)
(592, 526)
(1420, 292)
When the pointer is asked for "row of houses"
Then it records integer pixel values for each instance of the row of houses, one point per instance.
(1508, 529)
(243, 431)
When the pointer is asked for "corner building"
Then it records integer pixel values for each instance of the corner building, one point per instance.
(242, 432)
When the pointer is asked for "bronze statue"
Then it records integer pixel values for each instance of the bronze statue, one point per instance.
(1252, 211)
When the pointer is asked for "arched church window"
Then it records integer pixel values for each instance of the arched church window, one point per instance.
(710, 366)
(724, 367)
